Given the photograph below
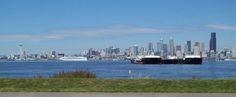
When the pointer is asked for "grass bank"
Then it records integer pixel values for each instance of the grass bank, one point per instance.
(115, 85)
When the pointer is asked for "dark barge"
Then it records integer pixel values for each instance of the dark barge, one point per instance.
(158, 60)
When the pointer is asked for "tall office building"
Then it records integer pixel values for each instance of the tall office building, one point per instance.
(178, 48)
(159, 47)
(135, 50)
(202, 47)
(196, 48)
(171, 47)
(165, 50)
(142, 51)
(131, 52)
(150, 48)
(179, 53)
(203, 51)
(197, 44)
(233, 53)
(212, 44)
(21, 52)
(90, 53)
(189, 47)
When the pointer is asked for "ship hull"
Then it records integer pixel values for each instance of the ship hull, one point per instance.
(169, 61)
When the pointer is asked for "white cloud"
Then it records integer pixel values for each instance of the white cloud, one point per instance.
(116, 30)
(90, 32)
(25, 37)
(221, 27)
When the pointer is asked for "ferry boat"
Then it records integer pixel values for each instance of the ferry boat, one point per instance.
(229, 59)
(73, 59)
(189, 59)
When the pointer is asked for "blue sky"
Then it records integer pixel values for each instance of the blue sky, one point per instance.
(74, 25)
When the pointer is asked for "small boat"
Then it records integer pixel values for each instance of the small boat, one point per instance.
(73, 59)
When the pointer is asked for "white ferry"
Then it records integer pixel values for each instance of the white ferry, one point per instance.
(73, 59)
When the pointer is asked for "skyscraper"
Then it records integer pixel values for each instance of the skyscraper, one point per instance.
(142, 51)
(131, 52)
(202, 47)
(90, 53)
(159, 47)
(178, 48)
(150, 48)
(179, 53)
(212, 44)
(135, 50)
(171, 47)
(165, 50)
(189, 47)
(196, 48)
(21, 52)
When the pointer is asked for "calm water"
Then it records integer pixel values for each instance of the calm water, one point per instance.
(120, 69)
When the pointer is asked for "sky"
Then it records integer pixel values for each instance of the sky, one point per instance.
(72, 26)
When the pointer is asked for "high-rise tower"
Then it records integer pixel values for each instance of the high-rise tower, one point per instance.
(21, 52)
(150, 48)
(171, 47)
(189, 47)
(212, 44)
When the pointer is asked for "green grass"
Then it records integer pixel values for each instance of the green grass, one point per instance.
(115, 85)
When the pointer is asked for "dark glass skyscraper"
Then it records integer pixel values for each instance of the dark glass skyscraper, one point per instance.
(212, 44)
(189, 46)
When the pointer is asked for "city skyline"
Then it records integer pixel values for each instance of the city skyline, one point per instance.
(163, 50)
(71, 26)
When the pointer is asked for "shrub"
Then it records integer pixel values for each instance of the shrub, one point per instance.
(75, 74)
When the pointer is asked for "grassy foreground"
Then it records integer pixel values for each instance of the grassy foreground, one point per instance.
(115, 85)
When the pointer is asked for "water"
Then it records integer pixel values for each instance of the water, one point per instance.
(120, 69)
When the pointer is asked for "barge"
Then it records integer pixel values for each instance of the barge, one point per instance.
(189, 59)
